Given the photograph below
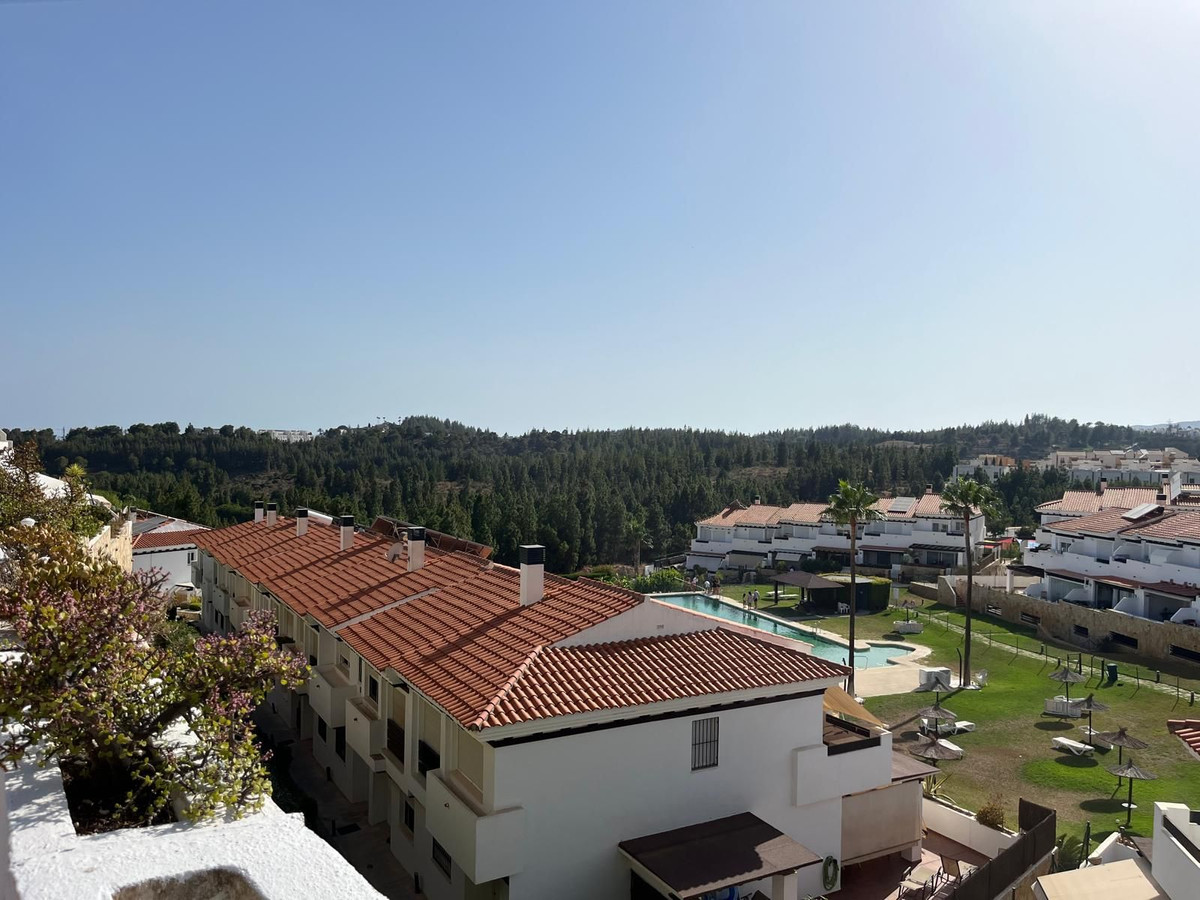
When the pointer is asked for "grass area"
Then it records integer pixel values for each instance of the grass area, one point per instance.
(1009, 755)
(785, 607)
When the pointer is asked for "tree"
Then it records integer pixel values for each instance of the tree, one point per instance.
(101, 685)
(965, 499)
(637, 537)
(849, 505)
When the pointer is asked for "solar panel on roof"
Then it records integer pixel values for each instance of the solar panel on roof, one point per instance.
(1140, 511)
(902, 505)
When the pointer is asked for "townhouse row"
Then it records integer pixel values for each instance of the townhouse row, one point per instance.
(526, 736)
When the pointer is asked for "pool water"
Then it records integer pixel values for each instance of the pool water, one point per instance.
(826, 649)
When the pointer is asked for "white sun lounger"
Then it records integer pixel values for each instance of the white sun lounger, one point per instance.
(929, 726)
(949, 746)
(1075, 747)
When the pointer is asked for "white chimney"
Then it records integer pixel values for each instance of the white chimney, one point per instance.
(258, 510)
(347, 529)
(1103, 485)
(301, 521)
(272, 513)
(929, 489)
(416, 548)
(533, 573)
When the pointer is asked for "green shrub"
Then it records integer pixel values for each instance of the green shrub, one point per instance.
(991, 814)
(663, 581)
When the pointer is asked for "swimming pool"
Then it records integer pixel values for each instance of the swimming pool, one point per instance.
(826, 649)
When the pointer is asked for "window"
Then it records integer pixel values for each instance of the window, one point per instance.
(373, 689)
(409, 818)
(1184, 653)
(441, 858)
(322, 729)
(339, 742)
(191, 556)
(705, 739)
(1080, 630)
(1123, 639)
(1030, 619)
(360, 670)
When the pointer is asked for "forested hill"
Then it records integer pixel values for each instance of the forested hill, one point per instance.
(582, 494)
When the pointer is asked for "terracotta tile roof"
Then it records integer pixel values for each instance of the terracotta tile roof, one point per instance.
(150, 540)
(1179, 526)
(801, 514)
(559, 681)
(1188, 731)
(1079, 503)
(1169, 524)
(1110, 521)
(313, 576)
(734, 514)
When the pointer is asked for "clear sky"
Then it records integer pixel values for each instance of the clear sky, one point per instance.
(736, 215)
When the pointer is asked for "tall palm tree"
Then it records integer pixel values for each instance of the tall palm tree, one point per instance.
(637, 537)
(964, 499)
(851, 504)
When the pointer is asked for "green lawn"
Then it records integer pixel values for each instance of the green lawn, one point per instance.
(1010, 755)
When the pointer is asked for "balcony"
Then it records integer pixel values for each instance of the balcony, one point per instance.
(428, 759)
(328, 691)
(486, 846)
(395, 740)
(365, 732)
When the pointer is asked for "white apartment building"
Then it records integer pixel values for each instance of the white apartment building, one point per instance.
(992, 466)
(288, 435)
(1143, 561)
(529, 736)
(165, 544)
(1133, 465)
(1172, 491)
(1118, 870)
(914, 530)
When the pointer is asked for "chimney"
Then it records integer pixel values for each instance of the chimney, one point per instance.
(757, 500)
(533, 571)
(416, 548)
(347, 529)
(301, 521)
(1103, 486)
(258, 510)
(272, 513)
(929, 488)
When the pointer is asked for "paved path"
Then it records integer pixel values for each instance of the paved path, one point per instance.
(366, 848)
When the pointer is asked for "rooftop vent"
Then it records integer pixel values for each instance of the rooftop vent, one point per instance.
(533, 573)
(301, 520)
(346, 525)
(416, 548)
(272, 513)
(258, 510)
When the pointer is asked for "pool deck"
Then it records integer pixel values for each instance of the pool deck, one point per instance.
(901, 675)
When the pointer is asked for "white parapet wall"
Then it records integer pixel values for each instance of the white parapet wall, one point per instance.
(268, 854)
(960, 825)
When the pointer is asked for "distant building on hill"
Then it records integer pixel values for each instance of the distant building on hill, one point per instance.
(993, 466)
(287, 435)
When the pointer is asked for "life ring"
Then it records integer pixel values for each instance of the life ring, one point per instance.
(829, 873)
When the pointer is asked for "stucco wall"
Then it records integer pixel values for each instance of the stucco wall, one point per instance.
(174, 565)
(583, 794)
(960, 825)
(883, 819)
(115, 541)
(1058, 620)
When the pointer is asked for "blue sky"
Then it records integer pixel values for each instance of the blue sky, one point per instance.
(746, 216)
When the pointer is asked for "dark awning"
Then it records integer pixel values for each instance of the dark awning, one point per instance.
(805, 580)
(843, 550)
(710, 856)
(940, 548)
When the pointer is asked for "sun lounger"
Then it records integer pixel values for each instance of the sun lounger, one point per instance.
(949, 746)
(1061, 706)
(843, 608)
(920, 881)
(1095, 738)
(1075, 747)
(929, 726)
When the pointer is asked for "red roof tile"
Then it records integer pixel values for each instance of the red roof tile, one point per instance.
(155, 539)
(313, 576)
(561, 681)
(756, 514)
(1078, 503)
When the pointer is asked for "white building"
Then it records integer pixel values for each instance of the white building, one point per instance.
(990, 464)
(528, 736)
(1172, 491)
(165, 544)
(914, 530)
(287, 435)
(1118, 870)
(1133, 465)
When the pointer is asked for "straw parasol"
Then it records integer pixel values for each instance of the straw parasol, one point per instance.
(1132, 772)
(933, 748)
(1121, 740)
(1068, 677)
(938, 713)
(908, 604)
(1091, 704)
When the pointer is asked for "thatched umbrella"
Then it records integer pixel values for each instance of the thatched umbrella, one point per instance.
(1068, 677)
(1132, 772)
(1120, 739)
(908, 604)
(933, 748)
(1091, 704)
(938, 713)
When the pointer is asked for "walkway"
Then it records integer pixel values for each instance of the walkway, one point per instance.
(342, 824)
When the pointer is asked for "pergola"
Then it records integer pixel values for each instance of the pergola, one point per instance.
(806, 581)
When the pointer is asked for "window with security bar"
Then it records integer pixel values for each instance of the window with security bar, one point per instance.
(706, 738)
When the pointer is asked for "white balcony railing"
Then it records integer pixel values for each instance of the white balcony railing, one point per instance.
(486, 846)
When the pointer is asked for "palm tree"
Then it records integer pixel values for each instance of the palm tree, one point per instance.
(851, 504)
(964, 499)
(638, 537)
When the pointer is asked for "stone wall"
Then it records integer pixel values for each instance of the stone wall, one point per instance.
(115, 541)
(1063, 621)
(922, 589)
